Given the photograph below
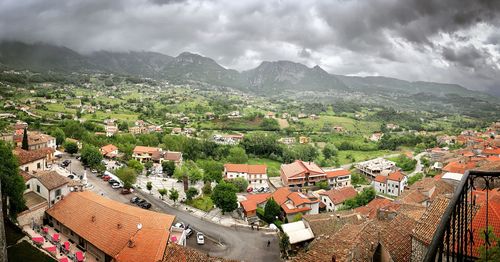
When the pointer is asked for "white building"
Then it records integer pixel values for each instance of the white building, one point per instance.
(338, 177)
(49, 185)
(392, 184)
(256, 175)
(335, 198)
(375, 166)
(34, 160)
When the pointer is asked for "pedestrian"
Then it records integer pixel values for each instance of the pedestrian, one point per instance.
(252, 226)
(268, 243)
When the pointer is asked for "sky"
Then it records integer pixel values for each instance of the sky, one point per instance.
(451, 41)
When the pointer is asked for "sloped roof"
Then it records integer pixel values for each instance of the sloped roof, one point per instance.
(178, 253)
(146, 149)
(370, 209)
(51, 179)
(281, 195)
(428, 223)
(25, 156)
(396, 176)
(26, 176)
(245, 168)
(479, 221)
(338, 196)
(89, 215)
(337, 173)
(108, 149)
(380, 179)
(250, 204)
(172, 156)
(459, 166)
(300, 167)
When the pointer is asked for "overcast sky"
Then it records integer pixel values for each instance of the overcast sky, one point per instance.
(453, 41)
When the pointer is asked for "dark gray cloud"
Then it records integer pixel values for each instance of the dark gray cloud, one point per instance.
(436, 40)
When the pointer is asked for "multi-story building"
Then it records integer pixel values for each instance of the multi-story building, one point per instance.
(391, 184)
(155, 154)
(335, 198)
(34, 160)
(375, 166)
(300, 173)
(36, 141)
(338, 177)
(256, 175)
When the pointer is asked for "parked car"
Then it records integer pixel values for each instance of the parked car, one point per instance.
(71, 177)
(66, 163)
(93, 171)
(179, 224)
(126, 191)
(250, 189)
(261, 189)
(112, 181)
(106, 178)
(116, 185)
(140, 202)
(200, 238)
(134, 200)
(189, 232)
(145, 205)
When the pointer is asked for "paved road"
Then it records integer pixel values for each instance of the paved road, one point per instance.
(236, 243)
(419, 167)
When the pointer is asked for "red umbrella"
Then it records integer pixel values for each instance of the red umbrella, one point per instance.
(55, 237)
(79, 256)
(66, 245)
(51, 249)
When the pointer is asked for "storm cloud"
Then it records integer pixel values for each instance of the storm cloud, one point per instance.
(453, 41)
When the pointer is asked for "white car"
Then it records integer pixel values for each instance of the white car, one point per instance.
(200, 238)
(116, 185)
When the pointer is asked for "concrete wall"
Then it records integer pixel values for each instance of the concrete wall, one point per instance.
(33, 166)
(26, 217)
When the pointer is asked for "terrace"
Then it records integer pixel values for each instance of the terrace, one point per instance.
(56, 244)
(461, 234)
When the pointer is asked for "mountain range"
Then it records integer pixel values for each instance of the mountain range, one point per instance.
(269, 78)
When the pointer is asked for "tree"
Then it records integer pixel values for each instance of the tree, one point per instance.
(70, 147)
(363, 198)
(194, 172)
(212, 170)
(284, 244)
(240, 183)
(149, 186)
(162, 192)
(59, 135)
(12, 183)
(174, 195)
(322, 185)
(271, 210)
(270, 124)
(136, 165)
(168, 167)
(493, 251)
(224, 197)
(127, 175)
(123, 126)
(207, 188)
(415, 178)
(91, 156)
(181, 172)
(297, 217)
(237, 155)
(25, 144)
(191, 192)
(148, 165)
(330, 150)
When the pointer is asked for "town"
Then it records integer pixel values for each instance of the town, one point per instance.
(102, 181)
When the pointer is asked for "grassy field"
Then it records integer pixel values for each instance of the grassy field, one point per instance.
(203, 203)
(358, 156)
(100, 116)
(349, 124)
(273, 167)
(233, 124)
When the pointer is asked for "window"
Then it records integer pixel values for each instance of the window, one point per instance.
(27, 186)
(58, 192)
(26, 169)
(38, 166)
(38, 188)
(331, 205)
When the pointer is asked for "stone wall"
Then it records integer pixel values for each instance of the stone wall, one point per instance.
(418, 250)
(26, 217)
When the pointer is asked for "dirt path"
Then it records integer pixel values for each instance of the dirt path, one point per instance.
(283, 123)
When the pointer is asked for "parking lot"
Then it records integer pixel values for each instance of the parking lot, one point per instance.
(99, 186)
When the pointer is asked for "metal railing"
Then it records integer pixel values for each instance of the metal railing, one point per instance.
(454, 237)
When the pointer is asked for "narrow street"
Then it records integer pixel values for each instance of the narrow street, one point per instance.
(228, 242)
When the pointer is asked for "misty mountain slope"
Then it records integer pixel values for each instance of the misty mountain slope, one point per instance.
(146, 64)
(275, 77)
(269, 78)
(194, 67)
(42, 57)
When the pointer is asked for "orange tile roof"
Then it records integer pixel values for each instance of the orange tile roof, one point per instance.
(26, 176)
(300, 167)
(300, 199)
(459, 166)
(108, 149)
(110, 225)
(26, 157)
(51, 179)
(337, 173)
(250, 204)
(428, 223)
(381, 179)
(245, 168)
(479, 221)
(172, 156)
(146, 149)
(178, 253)
(370, 209)
(338, 196)
(396, 176)
(491, 151)
(289, 210)
(281, 195)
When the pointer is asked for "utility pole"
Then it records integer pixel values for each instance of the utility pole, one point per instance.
(3, 240)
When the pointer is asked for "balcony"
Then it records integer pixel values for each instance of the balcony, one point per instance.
(461, 234)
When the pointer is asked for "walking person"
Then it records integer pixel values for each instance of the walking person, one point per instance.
(268, 243)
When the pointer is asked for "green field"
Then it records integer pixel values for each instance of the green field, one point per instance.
(203, 203)
(360, 156)
(349, 124)
(273, 167)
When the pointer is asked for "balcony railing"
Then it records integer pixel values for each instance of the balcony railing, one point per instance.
(454, 238)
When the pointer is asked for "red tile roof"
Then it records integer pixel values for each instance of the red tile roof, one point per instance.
(108, 149)
(51, 179)
(299, 168)
(491, 151)
(370, 209)
(381, 179)
(428, 223)
(245, 168)
(177, 253)
(338, 196)
(459, 166)
(26, 157)
(250, 204)
(479, 221)
(281, 195)
(396, 176)
(110, 225)
(146, 149)
(337, 173)
(300, 199)
(172, 156)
